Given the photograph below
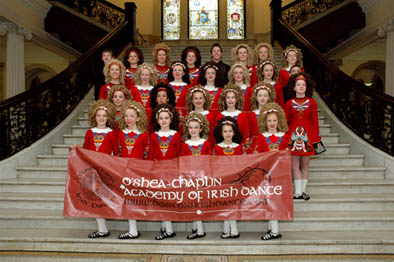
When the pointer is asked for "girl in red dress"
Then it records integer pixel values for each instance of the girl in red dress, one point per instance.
(231, 104)
(117, 96)
(132, 59)
(267, 72)
(162, 94)
(273, 136)
(133, 140)
(161, 54)
(244, 55)
(228, 143)
(238, 75)
(210, 83)
(295, 69)
(101, 138)
(263, 51)
(165, 143)
(192, 58)
(305, 141)
(196, 131)
(114, 72)
(263, 93)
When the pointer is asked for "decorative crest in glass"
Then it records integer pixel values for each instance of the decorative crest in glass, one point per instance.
(203, 19)
(235, 19)
(171, 19)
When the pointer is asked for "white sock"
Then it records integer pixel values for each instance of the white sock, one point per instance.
(163, 225)
(226, 227)
(298, 187)
(269, 225)
(304, 183)
(274, 226)
(168, 227)
(102, 225)
(133, 227)
(200, 229)
(233, 227)
(194, 226)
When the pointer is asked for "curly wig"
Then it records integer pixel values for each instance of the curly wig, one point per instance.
(189, 98)
(123, 89)
(270, 51)
(165, 108)
(153, 74)
(310, 84)
(162, 87)
(231, 72)
(260, 70)
(196, 51)
(235, 58)
(139, 53)
(204, 68)
(262, 86)
(185, 77)
(238, 94)
(227, 120)
(142, 123)
(298, 53)
(101, 104)
(272, 108)
(107, 67)
(165, 48)
(197, 117)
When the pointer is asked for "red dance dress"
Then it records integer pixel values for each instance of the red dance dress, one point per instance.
(180, 91)
(162, 74)
(247, 92)
(222, 149)
(196, 148)
(214, 94)
(211, 118)
(101, 140)
(132, 143)
(266, 142)
(104, 90)
(130, 77)
(242, 120)
(164, 145)
(253, 127)
(252, 75)
(194, 74)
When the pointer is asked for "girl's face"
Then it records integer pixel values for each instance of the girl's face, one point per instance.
(263, 53)
(198, 99)
(242, 54)
(191, 58)
(162, 97)
(268, 71)
(295, 70)
(133, 58)
(164, 120)
(145, 76)
(101, 118)
(238, 74)
(272, 123)
(161, 57)
(262, 97)
(106, 56)
(231, 99)
(291, 58)
(194, 129)
(216, 53)
(227, 133)
(210, 74)
(177, 72)
(300, 88)
(131, 118)
(114, 71)
(118, 98)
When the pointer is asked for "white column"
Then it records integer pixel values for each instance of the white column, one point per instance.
(388, 31)
(15, 57)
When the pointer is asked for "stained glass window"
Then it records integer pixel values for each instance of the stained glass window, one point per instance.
(171, 19)
(235, 19)
(203, 19)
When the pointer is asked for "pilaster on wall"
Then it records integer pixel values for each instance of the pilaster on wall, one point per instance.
(388, 31)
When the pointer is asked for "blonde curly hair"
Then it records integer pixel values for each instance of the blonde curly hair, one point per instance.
(238, 94)
(107, 67)
(157, 48)
(105, 105)
(142, 123)
(262, 86)
(231, 72)
(272, 108)
(270, 51)
(298, 53)
(204, 124)
(234, 54)
(189, 98)
(153, 73)
(260, 69)
(123, 89)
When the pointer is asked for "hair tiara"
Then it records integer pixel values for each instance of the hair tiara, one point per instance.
(102, 108)
(196, 89)
(272, 110)
(211, 66)
(300, 77)
(262, 87)
(164, 109)
(266, 62)
(145, 66)
(228, 122)
(180, 64)
(291, 49)
(132, 107)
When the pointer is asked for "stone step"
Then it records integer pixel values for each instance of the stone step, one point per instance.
(318, 202)
(298, 242)
(42, 172)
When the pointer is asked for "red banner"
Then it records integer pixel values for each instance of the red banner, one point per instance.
(189, 188)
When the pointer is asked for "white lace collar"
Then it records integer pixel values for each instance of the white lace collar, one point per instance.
(272, 83)
(233, 145)
(195, 143)
(177, 84)
(126, 131)
(166, 133)
(278, 134)
(257, 112)
(204, 113)
(210, 88)
(232, 114)
(102, 131)
(243, 86)
(144, 88)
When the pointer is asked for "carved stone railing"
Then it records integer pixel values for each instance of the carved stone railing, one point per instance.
(27, 117)
(367, 113)
(299, 11)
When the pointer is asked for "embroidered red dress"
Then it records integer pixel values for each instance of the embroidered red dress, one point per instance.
(130, 77)
(196, 148)
(214, 94)
(222, 149)
(247, 92)
(194, 74)
(164, 145)
(253, 126)
(162, 74)
(266, 142)
(252, 75)
(104, 90)
(132, 143)
(303, 122)
(211, 118)
(180, 91)
(101, 140)
(242, 120)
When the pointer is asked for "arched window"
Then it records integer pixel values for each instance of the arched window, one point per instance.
(171, 29)
(372, 74)
(235, 19)
(203, 19)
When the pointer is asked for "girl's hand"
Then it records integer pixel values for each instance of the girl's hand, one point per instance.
(73, 147)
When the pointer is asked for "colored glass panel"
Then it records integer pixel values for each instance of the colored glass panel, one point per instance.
(235, 19)
(203, 19)
(171, 19)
